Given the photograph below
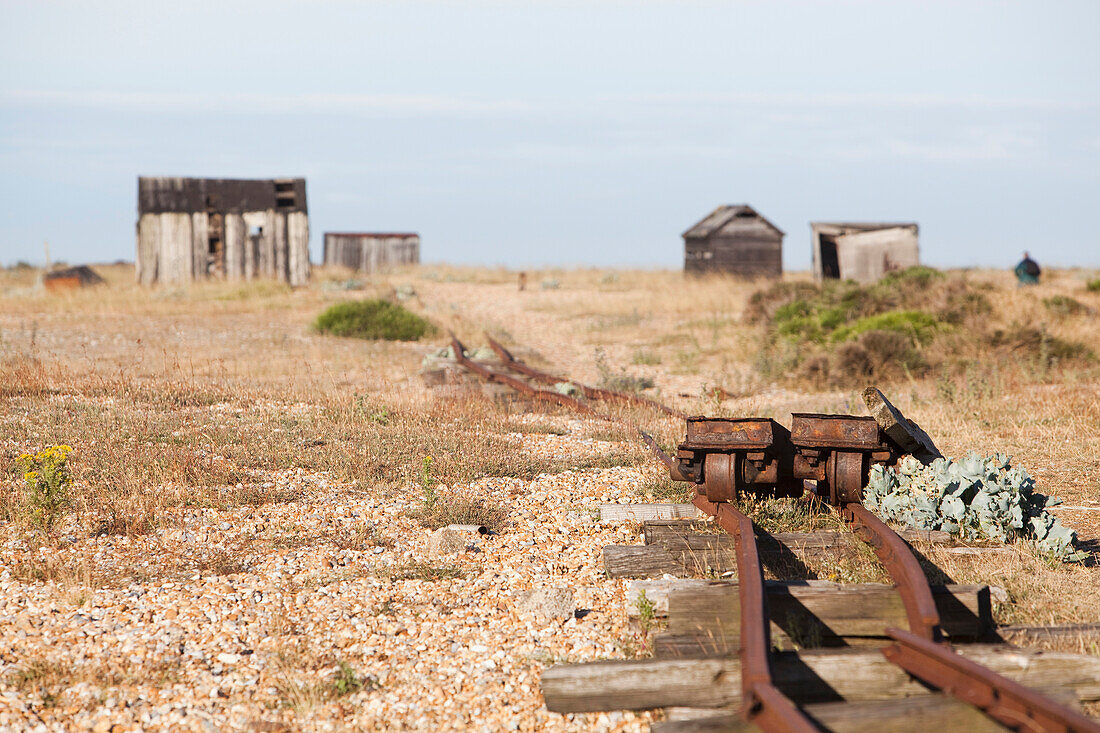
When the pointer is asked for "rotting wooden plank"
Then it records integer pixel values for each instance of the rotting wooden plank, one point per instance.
(656, 592)
(806, 677)
(846, 609)
(705, 620)
(899, 428)
(641, 685)
(640, 561)
(610, 513)
(906, 715)
(671, 532)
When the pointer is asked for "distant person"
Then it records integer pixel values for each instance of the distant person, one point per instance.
(1028, 271)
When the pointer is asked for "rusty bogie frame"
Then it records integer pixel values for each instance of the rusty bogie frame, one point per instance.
(730, 456)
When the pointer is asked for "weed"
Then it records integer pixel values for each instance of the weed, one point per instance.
(619, 381)
(460, 509)
(427, 486)
(647, 611)
(373, 319)
(1093, 286)
(48, 479)
(413, 570)
(645, 358)
(347, 681)
(662, 488)
(1063, 305)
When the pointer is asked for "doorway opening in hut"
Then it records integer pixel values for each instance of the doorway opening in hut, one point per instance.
(830, 265)
(216, 245)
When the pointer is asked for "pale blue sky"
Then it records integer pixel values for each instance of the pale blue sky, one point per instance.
(563, 133)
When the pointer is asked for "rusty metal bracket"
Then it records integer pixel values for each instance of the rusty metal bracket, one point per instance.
(1006, 701)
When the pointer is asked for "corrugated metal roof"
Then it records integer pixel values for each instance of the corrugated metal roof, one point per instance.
(839, 227)
(376, 235)
(721, 216)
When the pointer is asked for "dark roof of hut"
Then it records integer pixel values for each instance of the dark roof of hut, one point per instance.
(721, 216)
(160, 194)
(81, 274)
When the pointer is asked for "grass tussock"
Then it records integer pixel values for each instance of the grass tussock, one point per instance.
(414, 570)
(460, 508)
(908, 324)
(373, 319)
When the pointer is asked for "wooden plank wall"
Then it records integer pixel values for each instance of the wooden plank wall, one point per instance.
(298, 267)
(236, 240)
(367, 253)
(754, 256)
(173, 247)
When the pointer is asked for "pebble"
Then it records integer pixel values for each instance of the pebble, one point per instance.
(236, 647)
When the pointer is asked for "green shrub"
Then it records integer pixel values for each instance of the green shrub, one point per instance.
(1063, 305)
(1093, 286)
(918, 277)
(1041, 345)
(918, 325)
(373, 319)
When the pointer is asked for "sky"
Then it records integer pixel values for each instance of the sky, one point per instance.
(529, 134)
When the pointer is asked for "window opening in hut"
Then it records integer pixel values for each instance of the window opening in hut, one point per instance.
(830, 265)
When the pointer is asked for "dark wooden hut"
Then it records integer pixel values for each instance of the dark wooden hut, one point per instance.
(238, 229)
(734, 239)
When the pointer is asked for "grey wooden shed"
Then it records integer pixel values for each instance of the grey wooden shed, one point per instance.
(372, 251)
(735, 239)
(863, 251)
(239, 229)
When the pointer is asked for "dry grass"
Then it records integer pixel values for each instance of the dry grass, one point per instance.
(192, 397)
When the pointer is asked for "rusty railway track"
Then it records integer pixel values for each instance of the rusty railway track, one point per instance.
(729, 457)
(557, 398)
(726, 458)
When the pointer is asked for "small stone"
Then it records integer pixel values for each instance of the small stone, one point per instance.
(445, 542)
(998, 594)
(226, 658)
(547, 603)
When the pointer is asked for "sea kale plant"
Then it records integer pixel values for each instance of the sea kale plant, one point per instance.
(974, 498)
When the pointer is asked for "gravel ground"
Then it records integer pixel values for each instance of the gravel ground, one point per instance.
(292, 590)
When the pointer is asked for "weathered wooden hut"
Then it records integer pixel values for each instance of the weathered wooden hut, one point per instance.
(199, 228)
(372, 251)
(862, 251)
(734, 239)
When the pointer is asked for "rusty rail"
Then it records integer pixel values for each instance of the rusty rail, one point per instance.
(550, 396)
(924, 654)
(1006, 701)
(545, 395)
(916, 595)
(592, 393)
(761, 703)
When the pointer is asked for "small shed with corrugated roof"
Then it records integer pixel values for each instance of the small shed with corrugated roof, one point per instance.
(372, 251)
(734, 239)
